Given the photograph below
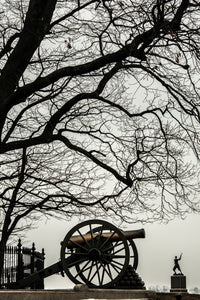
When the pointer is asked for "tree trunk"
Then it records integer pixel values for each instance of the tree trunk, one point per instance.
(3, 243)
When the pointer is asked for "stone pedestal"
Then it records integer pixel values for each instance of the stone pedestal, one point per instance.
(178, 283)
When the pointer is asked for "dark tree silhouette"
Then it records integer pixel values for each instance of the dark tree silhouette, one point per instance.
(99, 109)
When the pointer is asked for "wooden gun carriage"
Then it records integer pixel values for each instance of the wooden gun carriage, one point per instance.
(95, 253)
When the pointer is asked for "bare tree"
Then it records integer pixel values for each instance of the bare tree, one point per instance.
(99, 109)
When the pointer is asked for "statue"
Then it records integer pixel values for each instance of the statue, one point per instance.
(178, 280)
(176, 265)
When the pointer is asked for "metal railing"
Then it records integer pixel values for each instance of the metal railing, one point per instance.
(20, 262)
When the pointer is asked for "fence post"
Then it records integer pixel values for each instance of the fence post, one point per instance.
(33, 258)
(20, 269)
(33, 263)
(40, 266)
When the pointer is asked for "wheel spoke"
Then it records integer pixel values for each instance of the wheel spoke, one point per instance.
(99, 241)
(114, 256)
(95, 263)
(102, 227)
(83, 269)
(88, 268)
(86, 242)
(75, 262)
(91, 233)
(98, 274)
(103, 272)
(109, 272)
(114, 264)
(89, 274)
(113, 246)
(118, 243)
(107, 240)
(116, 268)
(77, 253)
(117, 251)
(77, 245)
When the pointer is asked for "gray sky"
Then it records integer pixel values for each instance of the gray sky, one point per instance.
(156, 251)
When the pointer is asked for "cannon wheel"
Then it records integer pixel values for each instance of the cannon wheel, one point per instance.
(133, 255)
(99, 261)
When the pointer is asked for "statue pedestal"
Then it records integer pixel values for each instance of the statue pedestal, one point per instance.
(178, 283)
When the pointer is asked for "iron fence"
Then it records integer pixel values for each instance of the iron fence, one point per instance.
(20, 262)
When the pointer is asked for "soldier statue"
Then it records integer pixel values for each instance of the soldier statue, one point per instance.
(176, 265)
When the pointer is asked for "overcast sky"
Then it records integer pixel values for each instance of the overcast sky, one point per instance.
(156, 251)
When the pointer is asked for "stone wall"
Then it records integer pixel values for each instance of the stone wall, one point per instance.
(177, 296)
(92, 294)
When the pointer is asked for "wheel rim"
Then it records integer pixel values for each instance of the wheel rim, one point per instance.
(97, 260)
(133, 254)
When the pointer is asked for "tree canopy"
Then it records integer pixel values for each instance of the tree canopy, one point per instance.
(99, 109)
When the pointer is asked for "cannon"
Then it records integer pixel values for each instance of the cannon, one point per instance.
(95, 253)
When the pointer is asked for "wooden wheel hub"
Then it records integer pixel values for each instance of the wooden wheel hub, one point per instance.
(94, 254)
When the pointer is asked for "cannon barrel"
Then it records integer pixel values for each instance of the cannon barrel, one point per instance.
(75, 241)
(134, 234)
